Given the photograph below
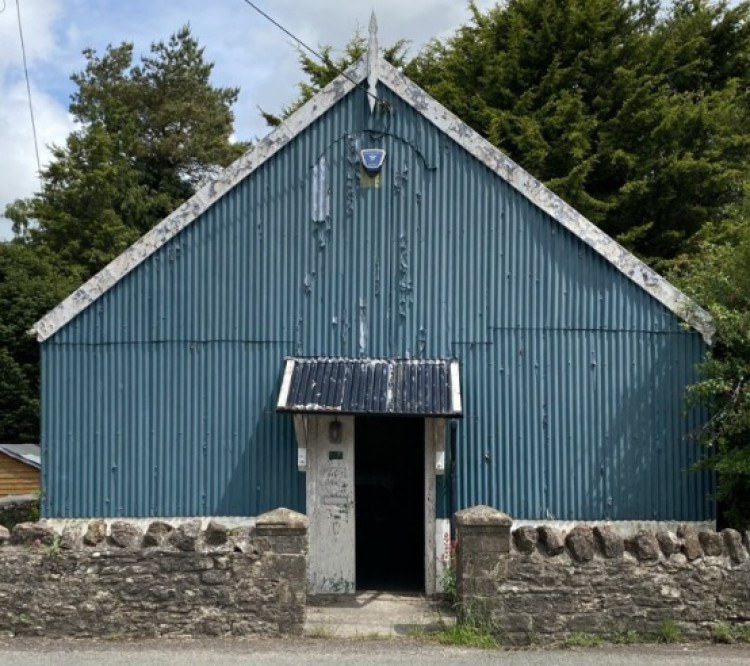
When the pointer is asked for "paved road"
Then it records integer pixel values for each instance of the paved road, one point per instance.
(229, 652)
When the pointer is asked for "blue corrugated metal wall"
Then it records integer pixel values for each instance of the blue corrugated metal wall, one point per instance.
(159, 398)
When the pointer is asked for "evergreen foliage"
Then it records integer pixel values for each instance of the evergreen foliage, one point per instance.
(719, 276)
(150, 133)
(30, 284)
(640, 121)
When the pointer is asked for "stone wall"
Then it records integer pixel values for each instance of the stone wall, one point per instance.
(123, 581)
(18, 509)
(541, 582)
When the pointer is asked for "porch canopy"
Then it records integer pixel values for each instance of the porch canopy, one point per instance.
(403, 387)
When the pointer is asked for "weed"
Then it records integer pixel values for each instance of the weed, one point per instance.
(33, 515)
(448, 579)
(582, 639)
(533, 637)
(418, 632)
(320, 632)
(55, 547)
(722, 633)
(466, 635)
(114, 638)
(742, 634)
(669, 632)
(627, 637)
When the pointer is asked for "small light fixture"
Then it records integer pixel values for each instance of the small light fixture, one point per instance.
(334, 431)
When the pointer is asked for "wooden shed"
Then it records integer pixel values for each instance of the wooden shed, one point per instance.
(19, 469)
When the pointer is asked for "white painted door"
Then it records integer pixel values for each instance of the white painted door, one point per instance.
(330, 505)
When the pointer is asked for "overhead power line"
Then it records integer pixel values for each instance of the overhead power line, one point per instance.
(317, 54)
(28, 87)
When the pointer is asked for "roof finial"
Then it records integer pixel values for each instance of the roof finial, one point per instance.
(372, 62)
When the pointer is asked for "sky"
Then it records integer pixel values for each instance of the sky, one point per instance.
(247, 51)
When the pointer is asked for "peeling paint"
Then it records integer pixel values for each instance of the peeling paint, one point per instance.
(308, 282)
(362, 326)
(405, 286)
(421, 341)
(400, 178)
(320, 192)
(345, 327)
(352, 172)
(322, 232)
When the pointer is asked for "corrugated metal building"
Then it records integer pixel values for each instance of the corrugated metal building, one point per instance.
(565, 356)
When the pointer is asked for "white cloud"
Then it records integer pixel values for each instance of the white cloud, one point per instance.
(18, 167)
(38, 18)
(18, 161)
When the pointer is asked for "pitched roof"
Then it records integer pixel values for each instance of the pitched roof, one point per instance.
(374, 70)
(29, 454)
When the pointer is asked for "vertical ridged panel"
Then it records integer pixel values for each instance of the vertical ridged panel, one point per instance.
(176, 429)
(581, 425)
(572, 374)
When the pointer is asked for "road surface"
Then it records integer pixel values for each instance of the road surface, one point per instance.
(302, 651)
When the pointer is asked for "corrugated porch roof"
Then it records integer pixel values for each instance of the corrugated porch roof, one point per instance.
(406, 387)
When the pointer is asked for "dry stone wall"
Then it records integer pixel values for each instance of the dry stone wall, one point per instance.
(18, 509)
(123, 581)
(546, 583)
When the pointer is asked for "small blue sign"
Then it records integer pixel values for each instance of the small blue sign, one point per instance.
(372, 159)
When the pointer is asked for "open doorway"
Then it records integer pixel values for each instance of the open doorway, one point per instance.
(389, 502)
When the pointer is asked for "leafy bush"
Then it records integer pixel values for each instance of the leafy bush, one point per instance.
(719, 278)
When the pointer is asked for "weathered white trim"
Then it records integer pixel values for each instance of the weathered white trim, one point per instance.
(645, 277)
(372, 63)
(438, 439)
(442, 551)
(329, 492)
(430, 565)
(456, 406)
(300, 431)
(209, 194)
(286, 383)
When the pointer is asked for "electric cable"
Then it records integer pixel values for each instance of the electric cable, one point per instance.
(28, 88)
(315, 53)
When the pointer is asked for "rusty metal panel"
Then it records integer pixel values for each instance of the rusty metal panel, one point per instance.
(370, 386)
(159, 398)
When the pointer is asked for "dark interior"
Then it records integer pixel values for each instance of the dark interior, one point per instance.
(389, 501)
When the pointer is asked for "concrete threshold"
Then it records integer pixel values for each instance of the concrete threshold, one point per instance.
(373, 614)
